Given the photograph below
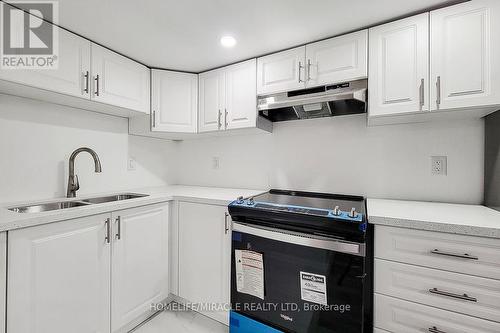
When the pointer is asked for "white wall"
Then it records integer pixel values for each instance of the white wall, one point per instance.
(343, 155)
(338, 155)
(36, 140)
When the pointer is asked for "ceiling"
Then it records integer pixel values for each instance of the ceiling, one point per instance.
(184, 35)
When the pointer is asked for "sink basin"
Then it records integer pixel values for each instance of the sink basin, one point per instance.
(117, 197)
(48, 207)
(38, 208)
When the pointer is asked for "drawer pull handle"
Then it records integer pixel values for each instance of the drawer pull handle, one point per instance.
(434, 329)
(464, 297)
(456, 255)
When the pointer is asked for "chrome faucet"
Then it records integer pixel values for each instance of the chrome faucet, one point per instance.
(73, 183)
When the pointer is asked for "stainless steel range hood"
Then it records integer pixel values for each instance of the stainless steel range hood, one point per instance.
(325, 101)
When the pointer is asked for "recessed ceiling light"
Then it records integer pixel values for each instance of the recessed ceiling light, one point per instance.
(228, 41)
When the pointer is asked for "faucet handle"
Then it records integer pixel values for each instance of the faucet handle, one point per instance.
(76, 183)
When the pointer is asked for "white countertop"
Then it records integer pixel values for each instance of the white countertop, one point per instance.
(471, 220)
(211, 195)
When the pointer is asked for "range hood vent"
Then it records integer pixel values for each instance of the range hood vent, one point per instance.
(325, 101)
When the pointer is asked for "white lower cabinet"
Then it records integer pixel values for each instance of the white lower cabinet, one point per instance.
(398, 316)
(456, 253)
(96, 274)
(140, 274)
(59, 277)
(470, 295)
(204, 256)
(427, 281)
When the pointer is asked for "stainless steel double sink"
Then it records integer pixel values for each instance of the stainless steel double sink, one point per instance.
(45, 207)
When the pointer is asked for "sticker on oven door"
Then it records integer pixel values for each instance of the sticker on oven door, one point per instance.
(249, 273)
(313, 288)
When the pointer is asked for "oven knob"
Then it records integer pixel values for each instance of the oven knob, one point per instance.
(250, 202)
(336, 211)
(240, 200)
(353, 213)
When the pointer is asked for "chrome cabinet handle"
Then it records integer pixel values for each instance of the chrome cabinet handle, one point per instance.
(108, 231)
(86, 77)
(225, 117)
(219, 124)
(118, 220)
(226, 224)
(421, 95)
(456, 255)
(464, 297)
(153, 119)
(434, 329)
(309, 69)
(300, 71)
(96, 79)
(438, 91)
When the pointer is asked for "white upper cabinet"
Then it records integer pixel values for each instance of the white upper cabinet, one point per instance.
(72, 76)
(228, 98)
(281, 71)
(140, 265)
(212, 100)
(337, 59)
(241, 95)
(465, 55)
(59, 277)
(334, 60)
(174, 101)
(119, 81)
(399, 67)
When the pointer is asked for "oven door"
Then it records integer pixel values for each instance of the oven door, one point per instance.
(310, 284)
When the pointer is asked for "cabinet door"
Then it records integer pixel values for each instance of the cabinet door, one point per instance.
(212, 91)
(465, 55)
(399, 67)
(119, 81)
(59, 277)
(241, 95)
(281, 71)
(72, 74)
(3, 279)
(174, 101)
(204, 255)
(140, 264)
(337, 59)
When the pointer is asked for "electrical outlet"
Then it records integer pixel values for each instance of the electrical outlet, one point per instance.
(439, 165)
(215, 162)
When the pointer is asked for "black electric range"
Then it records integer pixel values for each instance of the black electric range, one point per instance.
(301, 262)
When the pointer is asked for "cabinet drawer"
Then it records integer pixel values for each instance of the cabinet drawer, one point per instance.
(400, 316)
(456, 253)
(415, 283)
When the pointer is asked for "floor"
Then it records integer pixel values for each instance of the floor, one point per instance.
(181, 321)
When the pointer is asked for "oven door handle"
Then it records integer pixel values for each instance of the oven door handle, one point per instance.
(297, 238)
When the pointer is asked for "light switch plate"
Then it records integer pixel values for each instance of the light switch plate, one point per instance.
(131, 164)
(215, 162)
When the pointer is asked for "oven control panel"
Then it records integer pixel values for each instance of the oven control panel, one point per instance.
(335, 213)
